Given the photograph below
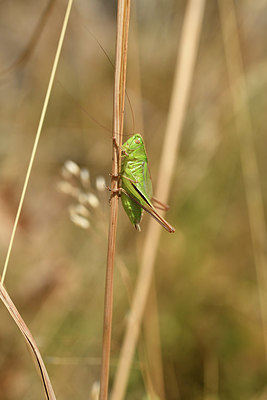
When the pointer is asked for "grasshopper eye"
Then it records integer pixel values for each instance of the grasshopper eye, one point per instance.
(137, 141)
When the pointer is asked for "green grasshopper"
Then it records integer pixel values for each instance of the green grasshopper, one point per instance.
(136, 190)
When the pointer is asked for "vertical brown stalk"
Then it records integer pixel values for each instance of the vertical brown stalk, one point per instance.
(118, 114)
(180, 96)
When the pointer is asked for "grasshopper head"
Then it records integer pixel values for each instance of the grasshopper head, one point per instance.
(134, 143)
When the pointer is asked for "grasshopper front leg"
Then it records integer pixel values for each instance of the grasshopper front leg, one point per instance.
(118, 147)
(114, 191)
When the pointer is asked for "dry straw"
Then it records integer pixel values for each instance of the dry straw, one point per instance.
(182, 83)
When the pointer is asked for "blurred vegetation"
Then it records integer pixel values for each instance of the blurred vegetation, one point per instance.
(206, 285)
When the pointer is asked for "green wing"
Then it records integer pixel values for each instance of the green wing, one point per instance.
(147, 181)
(131, 207)
(136, 181)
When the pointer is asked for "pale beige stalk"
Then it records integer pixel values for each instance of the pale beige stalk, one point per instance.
(118, 115)
(38, 134)
(249, 163)
(181, 89)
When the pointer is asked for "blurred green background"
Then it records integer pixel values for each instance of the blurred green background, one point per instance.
(207, 290)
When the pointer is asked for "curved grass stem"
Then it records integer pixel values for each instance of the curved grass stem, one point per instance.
(10, 306)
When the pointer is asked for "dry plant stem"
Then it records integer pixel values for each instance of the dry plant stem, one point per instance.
(182, 83)
(118, 114)
(50, 395)
(247, 152)
(37, 137)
